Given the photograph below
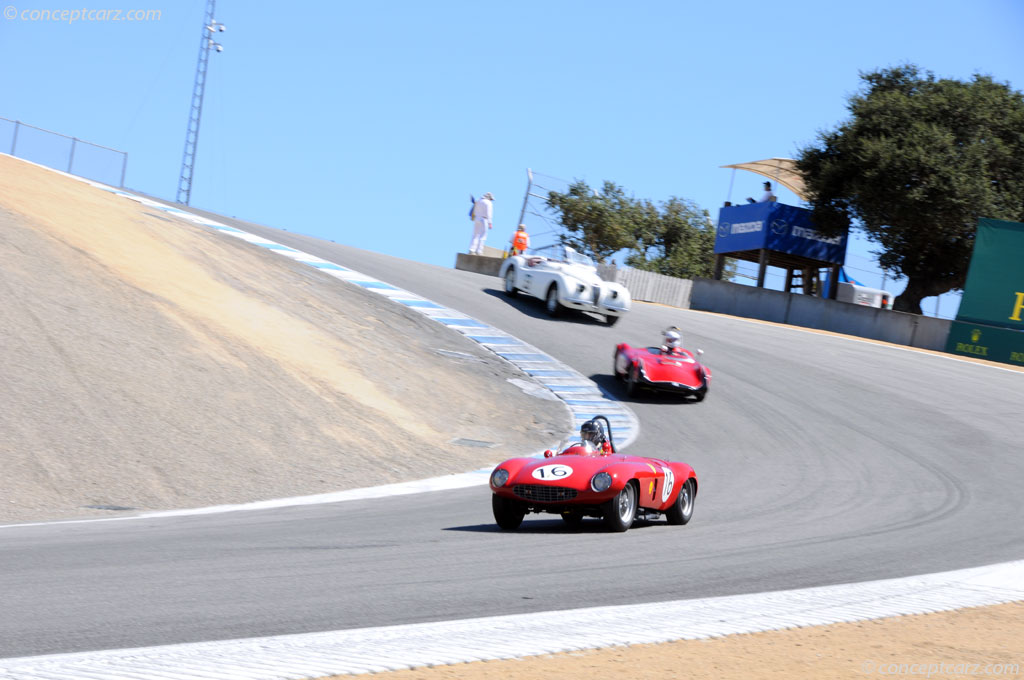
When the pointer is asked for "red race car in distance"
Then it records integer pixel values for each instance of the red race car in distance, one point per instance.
(589, 479)
(668, 368)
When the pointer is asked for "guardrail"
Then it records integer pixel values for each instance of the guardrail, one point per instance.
(75, 157)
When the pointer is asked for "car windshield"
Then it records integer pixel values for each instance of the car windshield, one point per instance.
(560, 253)
(572, 257)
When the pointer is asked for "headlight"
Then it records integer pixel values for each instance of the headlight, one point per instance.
(601, 481)
(580, 288)
(499, 477)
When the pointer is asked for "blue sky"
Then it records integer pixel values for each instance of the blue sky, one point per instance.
(371, 123)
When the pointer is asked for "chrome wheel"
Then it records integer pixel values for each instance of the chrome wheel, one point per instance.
(554, 307)
(621, 510)
(682, 510)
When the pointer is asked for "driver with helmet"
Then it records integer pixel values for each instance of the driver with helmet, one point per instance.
(592, 435)
(673, 341)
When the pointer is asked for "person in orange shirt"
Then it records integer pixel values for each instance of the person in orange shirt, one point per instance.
(520, 240)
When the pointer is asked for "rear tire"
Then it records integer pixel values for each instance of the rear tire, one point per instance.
(633, 381)
(551, 302)
(610, 319)
(507, 513)
(682, 510)
(510, 285)
(620, 511)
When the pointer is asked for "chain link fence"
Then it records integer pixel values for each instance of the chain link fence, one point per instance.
(541, 222)
(61, 152)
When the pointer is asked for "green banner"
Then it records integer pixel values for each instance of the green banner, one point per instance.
(986, 342)
(994, 290)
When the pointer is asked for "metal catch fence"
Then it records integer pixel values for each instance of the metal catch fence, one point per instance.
(61, 152)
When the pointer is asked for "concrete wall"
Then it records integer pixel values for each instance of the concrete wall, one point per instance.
(812, 312)
(759, 303)
(481, 264)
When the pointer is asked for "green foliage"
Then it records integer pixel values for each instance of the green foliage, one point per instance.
(675, 239)
(917, 164)
(597, 223)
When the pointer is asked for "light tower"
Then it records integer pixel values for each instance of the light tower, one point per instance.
(210, 28)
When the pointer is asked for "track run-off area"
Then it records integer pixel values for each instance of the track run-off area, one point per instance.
(823, 460)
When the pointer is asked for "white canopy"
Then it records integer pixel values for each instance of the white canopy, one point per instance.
(780, 170)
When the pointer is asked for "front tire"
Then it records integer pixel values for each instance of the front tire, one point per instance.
(507, 513)
(610, 319)
(682, 510)
(510, 282)
(551, 302)
(620, 511)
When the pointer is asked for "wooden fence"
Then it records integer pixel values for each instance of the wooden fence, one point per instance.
(650, 287)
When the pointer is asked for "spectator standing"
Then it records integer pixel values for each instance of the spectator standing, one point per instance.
(483, 220)
(520, 240)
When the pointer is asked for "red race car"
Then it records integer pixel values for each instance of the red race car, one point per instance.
(668, 368)
(589, 479)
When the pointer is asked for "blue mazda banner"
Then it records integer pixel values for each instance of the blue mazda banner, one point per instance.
(777, 227)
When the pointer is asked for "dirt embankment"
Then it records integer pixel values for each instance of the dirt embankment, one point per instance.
(969, 643)
(147, 363)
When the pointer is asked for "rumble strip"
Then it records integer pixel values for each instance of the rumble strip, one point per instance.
(385, 648)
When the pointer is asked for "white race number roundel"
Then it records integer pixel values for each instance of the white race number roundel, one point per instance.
(670, 481)
(552, 472)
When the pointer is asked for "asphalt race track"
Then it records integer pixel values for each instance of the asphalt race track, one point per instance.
(821, 459)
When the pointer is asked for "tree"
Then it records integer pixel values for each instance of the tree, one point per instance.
(597, 223)
(676, 239)
(917, 164)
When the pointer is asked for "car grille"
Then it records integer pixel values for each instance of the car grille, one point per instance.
(544, 494)
(597, 294)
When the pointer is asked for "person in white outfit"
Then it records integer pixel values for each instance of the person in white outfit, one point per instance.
(767, 197)
(483, 219)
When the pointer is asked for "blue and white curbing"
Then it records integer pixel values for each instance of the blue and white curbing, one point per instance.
(583, 397)
(388, 648)
(554, 379)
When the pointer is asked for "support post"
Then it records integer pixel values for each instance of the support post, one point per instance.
(719, 266)
(833, 282)
(124, 168)
(14, 141)
(762, 267)
(526, 196)
(71, 156)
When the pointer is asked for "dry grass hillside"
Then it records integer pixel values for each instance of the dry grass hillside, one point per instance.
(147, 363)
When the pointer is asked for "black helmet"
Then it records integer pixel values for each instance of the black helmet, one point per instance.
(592, 432)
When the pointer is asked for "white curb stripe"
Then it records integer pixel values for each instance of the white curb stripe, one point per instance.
(383, 648)
(625, 432)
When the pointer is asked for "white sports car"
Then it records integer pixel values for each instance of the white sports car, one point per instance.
(564, 278)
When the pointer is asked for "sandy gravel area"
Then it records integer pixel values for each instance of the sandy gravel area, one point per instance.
(148, 364)
(985, 642)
